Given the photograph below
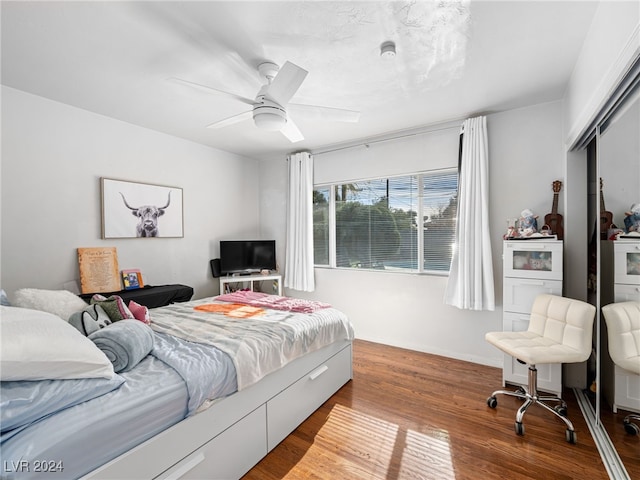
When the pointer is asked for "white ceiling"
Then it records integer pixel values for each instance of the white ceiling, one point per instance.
(454, 60)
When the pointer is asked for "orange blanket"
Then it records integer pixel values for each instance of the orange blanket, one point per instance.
(235, 310)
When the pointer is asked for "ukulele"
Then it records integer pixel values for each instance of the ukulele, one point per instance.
(606, 218)
(554, 219)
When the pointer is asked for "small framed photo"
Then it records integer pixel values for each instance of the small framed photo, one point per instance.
(132, 279)
(140, 210)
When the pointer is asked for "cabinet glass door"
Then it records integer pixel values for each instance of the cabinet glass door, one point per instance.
(533, 259)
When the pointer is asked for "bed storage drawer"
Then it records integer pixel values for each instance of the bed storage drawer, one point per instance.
(293, 405)
(227, 456)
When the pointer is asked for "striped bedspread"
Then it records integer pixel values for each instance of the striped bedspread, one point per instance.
(258, 345)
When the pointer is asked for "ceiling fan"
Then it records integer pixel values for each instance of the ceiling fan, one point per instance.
(269, 109)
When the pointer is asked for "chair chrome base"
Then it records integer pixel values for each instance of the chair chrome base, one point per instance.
(631, 428)
(530, 396)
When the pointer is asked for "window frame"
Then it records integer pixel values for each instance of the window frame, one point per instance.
(420, 215)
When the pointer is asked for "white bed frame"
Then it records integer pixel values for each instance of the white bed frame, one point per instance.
(228, 439)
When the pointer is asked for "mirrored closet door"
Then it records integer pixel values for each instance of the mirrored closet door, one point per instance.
(616, 190)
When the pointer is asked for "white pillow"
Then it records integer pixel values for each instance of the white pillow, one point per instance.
(62, 303)
(37, 345)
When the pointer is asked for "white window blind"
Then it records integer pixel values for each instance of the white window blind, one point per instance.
(403, 223)
(440, 195)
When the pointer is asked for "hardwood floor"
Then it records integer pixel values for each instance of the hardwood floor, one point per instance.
(410, 415)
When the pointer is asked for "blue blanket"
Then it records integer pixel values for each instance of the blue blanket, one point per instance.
(125, 343)
(208, 372)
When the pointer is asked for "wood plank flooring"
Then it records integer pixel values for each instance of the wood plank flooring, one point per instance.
(627, 446)
(410, 415)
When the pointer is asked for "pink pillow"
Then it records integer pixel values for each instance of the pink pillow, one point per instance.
(140, 312)
(114, 306)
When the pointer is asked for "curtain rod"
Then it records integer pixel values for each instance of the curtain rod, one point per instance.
(368, 143)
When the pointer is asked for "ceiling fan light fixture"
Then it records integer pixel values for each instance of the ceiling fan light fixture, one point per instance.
(269, 117)
(388, 50)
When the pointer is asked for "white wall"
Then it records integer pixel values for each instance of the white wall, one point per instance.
(53, 156)
(612, 42)
(526, 156)
(620, 163)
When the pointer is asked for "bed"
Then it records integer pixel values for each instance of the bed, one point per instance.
(227, 379)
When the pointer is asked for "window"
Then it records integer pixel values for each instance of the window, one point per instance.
(404, 223)
(321, 226)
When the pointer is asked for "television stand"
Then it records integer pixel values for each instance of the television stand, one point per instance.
(251, 279)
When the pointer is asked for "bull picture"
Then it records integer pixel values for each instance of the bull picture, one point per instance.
(148, 217)
(133, 210)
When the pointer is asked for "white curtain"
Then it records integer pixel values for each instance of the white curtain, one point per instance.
(298, 271)
(470, 285)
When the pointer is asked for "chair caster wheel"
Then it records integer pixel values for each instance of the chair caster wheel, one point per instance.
(492, 402)
(571, 437)
(631, 428)
(519, 428)
(561, 410)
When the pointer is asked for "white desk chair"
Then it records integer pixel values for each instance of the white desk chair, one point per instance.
(623, 325)
(560, 331)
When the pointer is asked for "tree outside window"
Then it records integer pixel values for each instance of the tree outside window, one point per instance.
(376, 223)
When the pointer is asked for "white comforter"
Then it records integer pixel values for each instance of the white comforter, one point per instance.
(257, 345)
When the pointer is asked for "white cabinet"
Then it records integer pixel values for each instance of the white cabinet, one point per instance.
(626, 260)
(250, 280)
(531, 267)
(626, 287)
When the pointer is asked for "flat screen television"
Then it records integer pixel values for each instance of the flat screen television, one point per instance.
(247, 256)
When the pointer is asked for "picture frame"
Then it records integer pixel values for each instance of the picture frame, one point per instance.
(132, 279)
(140, 210)
(98, 268)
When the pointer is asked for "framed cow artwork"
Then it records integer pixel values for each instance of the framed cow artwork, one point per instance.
(140, 210)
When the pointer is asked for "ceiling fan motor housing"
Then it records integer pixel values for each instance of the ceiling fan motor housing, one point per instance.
(268, 115)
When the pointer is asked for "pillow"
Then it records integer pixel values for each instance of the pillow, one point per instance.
(114, 306)
(62, 303)
(90, 320)
(37, 345)
(140, 312)
(4, 300)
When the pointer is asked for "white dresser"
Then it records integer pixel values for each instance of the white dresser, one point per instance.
(626, 287)
(531, 267)
(626, 260)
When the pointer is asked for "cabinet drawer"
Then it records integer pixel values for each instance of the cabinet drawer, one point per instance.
(292, 406)
(229, 455)
(627, 390)
(549, 375)
(519, 293)
(533, 259)
(627, 262)
(626, 293)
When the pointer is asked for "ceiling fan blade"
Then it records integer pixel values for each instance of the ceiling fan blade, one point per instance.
(206, 29)
(291, 131)
(231, 120)
(213, 90)
(326, 113)
(286, 83)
